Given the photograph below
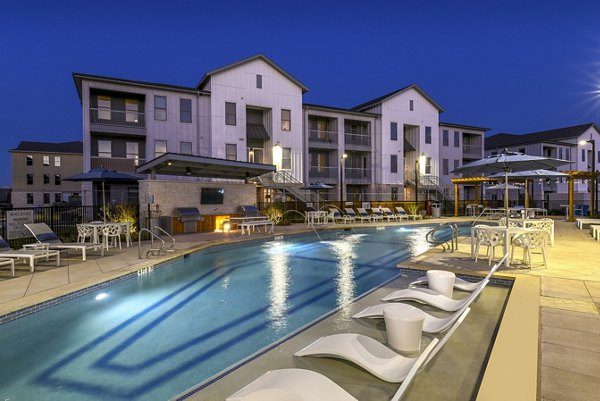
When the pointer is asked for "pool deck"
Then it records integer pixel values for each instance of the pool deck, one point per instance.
(568, 295)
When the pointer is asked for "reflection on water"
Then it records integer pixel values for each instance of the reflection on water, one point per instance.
(278, 254)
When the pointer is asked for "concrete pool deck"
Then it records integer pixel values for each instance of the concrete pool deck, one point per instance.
(568, 293)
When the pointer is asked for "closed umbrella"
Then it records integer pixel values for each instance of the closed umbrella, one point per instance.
(100, 174)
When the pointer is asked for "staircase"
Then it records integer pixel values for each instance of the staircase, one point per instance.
(286, 183)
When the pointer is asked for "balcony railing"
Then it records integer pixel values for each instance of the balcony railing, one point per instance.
(117, 117)
(357, 173)
(356, 139)
(471, 149)
(316, 135)
(323, 172)
(120, 164)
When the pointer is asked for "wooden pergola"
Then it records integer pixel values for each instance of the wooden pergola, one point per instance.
(573, 175)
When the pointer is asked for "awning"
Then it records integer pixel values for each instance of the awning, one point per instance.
(257, 131)
(200, 166)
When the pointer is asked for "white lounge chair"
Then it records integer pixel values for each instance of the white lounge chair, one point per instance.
(26, 254)
(432, 298)
(350, 212)
(45, 235)
(363, 212)
(401, 213)
(387, 213)
(8, 262)
(461, 284)
(372, 355)
(335, 216)
(306, 385)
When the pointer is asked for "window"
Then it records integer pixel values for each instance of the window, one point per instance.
(56, 161)
(46, 179)
(567, 154)
(46, 199)
(456, 139)
(132, 152)
(259, 81)
(230, 114)
(560, 153)
(582, 155)
(427, 134)
(445, 167)
(411, 105)
(456, 165)
(393, 131)
(46, 160)
(393, 163)
(160, 148)
(522, 150)
(104, 108)
(57, 197)
(286, 120)
(428, 165)
(160, 108)
(185, 110)
(185, 148)
(29, 179)
(286, 158)
(445, 137)
(30, 199)
(104, 148)
(30, 160)
(131, 111)
(57, 179)
(231, 151)
(394, 193)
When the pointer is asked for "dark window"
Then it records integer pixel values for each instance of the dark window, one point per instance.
(29, 179)
(286, 120)
(394, 193)
(46, 179)
(427, 134)
(185, 148)
(456, 164)
(456, 139)
(57, 197)
(160, 108)
(286, 158)
(230, 114)
(393, 131)
(445, 137)
(582, 155)
(56, 179)
(185, 110)
(394, 163)
(30, 160)
(160, 147)
(444, 166)
(30, 199)
(46, 199)
(411, 105)
(230, 151)
(259, 81)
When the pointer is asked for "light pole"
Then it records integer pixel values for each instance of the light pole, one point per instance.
(417, 182)
(593, 189)
(342, 159)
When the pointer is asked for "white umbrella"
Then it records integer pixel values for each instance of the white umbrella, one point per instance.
(531, 174)
(503, 186)
(506, 163)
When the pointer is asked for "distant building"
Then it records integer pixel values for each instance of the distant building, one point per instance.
(5, 197)
(39, 169)
(562, 143)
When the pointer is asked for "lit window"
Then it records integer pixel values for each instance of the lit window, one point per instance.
(231, 151)
(131, 111)
(160, 108)
(46, 179)
(56, 161)
(428, 165)
(160, 148)
(30, 160)
(30, 199)
(286, 158)
(46, 160)
(286, 120)
(230, 114)
(427, 134)
(104, 108)
(393, 163)
(393, 131)
(259, 81)
(185, 110)
(104, 148)
(185, 148)
(57, 179)
(132, 149)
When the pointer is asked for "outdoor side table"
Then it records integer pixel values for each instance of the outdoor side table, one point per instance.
(441, 281)
(404, 326)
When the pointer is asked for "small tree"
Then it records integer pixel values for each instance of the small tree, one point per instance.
(124, 214)
(411, 208)
(274, 213)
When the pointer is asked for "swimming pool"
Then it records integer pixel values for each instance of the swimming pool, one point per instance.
(153, 336)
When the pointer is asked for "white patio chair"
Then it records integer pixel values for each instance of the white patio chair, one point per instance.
(528, 242)
(111, 232)
(487, 238)
(83, 232)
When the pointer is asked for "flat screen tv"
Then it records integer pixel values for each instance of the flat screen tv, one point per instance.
(212, 196)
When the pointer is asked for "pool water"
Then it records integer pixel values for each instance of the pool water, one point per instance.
(155, 335)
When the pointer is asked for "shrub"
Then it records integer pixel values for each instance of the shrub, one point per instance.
(274, 213)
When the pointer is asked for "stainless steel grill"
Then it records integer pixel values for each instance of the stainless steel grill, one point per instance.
(188, 216)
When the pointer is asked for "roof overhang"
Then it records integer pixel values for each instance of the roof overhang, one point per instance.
(199, 166)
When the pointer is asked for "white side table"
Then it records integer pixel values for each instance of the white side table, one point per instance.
(441, 281)
(404, 326)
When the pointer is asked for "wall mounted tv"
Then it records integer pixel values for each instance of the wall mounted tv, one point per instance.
(212, 196)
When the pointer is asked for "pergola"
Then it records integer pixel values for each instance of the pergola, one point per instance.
(573, 175)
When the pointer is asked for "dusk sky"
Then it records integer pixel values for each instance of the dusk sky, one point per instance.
(513, 66)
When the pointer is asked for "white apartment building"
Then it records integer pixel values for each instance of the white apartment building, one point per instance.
(252, 111)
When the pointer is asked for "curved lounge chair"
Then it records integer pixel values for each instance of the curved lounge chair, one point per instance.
(432, 298)
(306, 385)
(464, 285)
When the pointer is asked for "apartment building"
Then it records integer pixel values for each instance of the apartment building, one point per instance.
(568, 143)
(252, 111)
(38, 169)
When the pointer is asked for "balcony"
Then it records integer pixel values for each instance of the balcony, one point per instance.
(472, 151)
(357, 140)
(357, 175)
(321, 138)
(117, 121)
(119, 164)
(323, 173)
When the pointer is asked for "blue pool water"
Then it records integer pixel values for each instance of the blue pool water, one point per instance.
(153, 336)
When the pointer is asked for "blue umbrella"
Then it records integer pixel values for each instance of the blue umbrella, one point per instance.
(100, 174)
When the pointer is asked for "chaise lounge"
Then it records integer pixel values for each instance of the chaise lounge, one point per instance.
(44, 234)
(26, 254)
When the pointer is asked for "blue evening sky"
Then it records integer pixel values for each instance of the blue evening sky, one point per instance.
(513, 66)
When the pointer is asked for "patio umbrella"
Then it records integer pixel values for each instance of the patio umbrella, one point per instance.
(317, 186)
(100, 174)
(506, 163)
(531, 174)
(503, 186)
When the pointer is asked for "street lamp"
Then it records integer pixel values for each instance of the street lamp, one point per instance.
(593, 189)
(342, 158)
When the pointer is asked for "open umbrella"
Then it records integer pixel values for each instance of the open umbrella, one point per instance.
(531, 174)
(506, 163)
(317, 186)
(100, 174)
(503, 186)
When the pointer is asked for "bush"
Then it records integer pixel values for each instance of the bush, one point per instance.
(411, 208)
(124, 214)
(274, 213)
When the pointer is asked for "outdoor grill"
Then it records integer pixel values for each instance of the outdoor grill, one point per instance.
(188, 216)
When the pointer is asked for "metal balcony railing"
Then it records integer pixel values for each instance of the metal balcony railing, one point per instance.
(471, 149)
(322, 172)
(117, 117)
(120, 164)
(357, 173)
(357, 139)
(316, 135)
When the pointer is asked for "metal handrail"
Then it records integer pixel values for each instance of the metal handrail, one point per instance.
(167, 234)
(152, 235)
(430, 237)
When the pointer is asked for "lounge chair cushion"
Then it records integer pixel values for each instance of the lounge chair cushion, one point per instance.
(4, 245)
(47, 237)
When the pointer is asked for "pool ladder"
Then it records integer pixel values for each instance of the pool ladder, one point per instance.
(155, 251)
(452, 244)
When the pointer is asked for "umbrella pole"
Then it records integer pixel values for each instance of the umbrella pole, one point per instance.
(103, 203)
(506, 195)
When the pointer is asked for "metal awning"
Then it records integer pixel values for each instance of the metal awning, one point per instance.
(257, 131)
(200, 166)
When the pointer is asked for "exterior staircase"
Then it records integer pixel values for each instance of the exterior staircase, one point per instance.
(284, 182)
